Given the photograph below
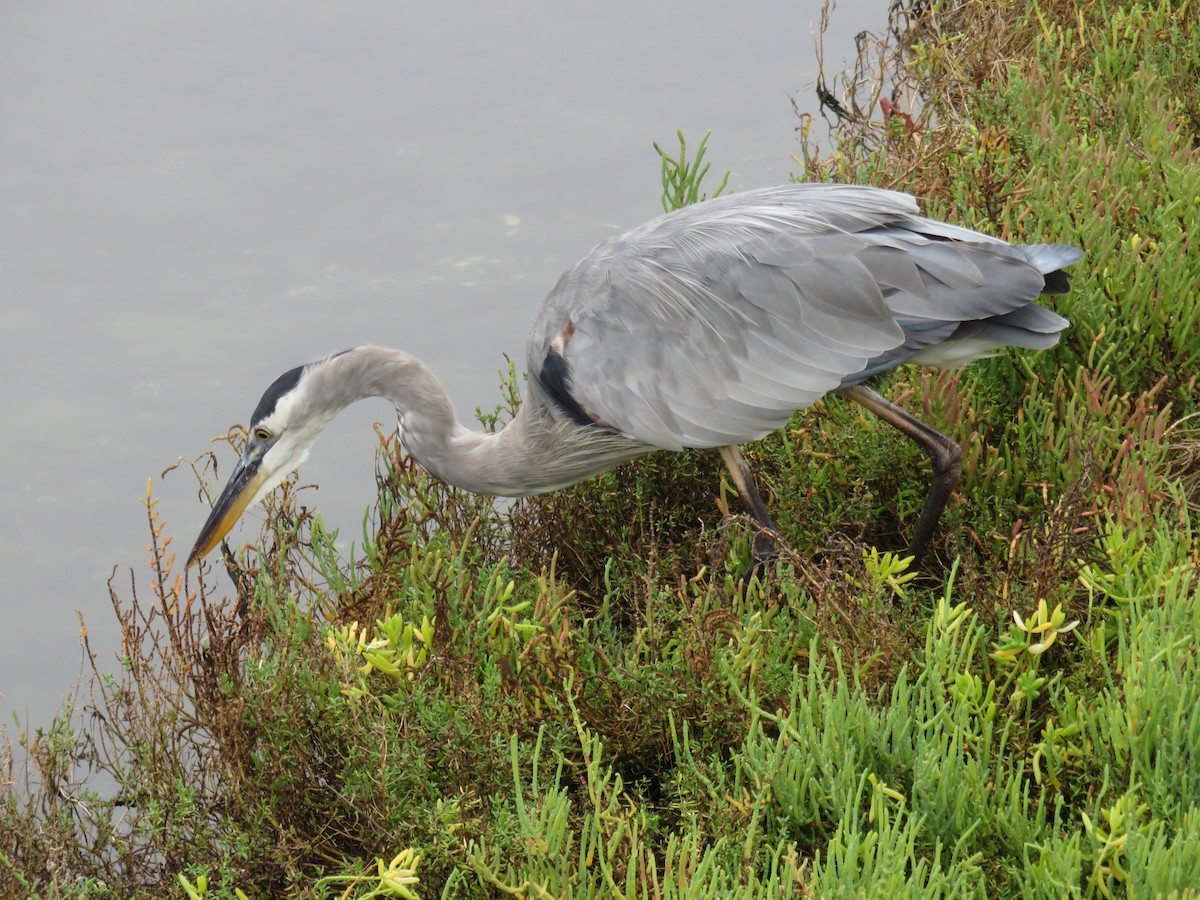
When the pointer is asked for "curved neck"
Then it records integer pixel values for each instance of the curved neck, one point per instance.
(536, 452)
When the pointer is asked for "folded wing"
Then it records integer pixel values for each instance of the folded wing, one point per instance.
(711, 325)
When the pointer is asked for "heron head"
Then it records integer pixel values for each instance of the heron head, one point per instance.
(282, 429)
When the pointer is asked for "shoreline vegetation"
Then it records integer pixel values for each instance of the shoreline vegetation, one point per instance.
(571, 696)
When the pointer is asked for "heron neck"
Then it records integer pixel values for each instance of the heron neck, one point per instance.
(536, 452)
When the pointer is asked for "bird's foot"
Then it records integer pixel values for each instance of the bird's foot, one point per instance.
(763, 554)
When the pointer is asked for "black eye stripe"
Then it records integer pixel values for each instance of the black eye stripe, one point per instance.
(270, 398)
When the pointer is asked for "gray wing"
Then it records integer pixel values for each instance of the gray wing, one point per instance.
(711, 325)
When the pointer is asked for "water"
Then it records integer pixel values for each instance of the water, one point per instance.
(196, 197)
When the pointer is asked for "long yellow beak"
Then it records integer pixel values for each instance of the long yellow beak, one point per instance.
(239, 491)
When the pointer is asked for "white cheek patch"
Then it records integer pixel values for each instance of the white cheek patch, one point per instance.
(284, 408)
(285, 456)
(290, 449)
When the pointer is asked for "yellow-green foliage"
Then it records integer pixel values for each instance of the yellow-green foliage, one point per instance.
(574, 697)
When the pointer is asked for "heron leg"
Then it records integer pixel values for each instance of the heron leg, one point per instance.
(944, 453)
(763, 548)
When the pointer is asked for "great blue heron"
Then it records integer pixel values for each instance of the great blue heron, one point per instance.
(706, 327)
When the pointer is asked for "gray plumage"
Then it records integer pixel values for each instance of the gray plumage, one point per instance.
(704, 328)
(712, 325)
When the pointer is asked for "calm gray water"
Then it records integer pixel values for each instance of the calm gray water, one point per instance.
(196, 197)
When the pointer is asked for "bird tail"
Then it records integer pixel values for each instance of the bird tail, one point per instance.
(1050, 260)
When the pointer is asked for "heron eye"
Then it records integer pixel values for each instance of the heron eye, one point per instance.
(262, 434)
